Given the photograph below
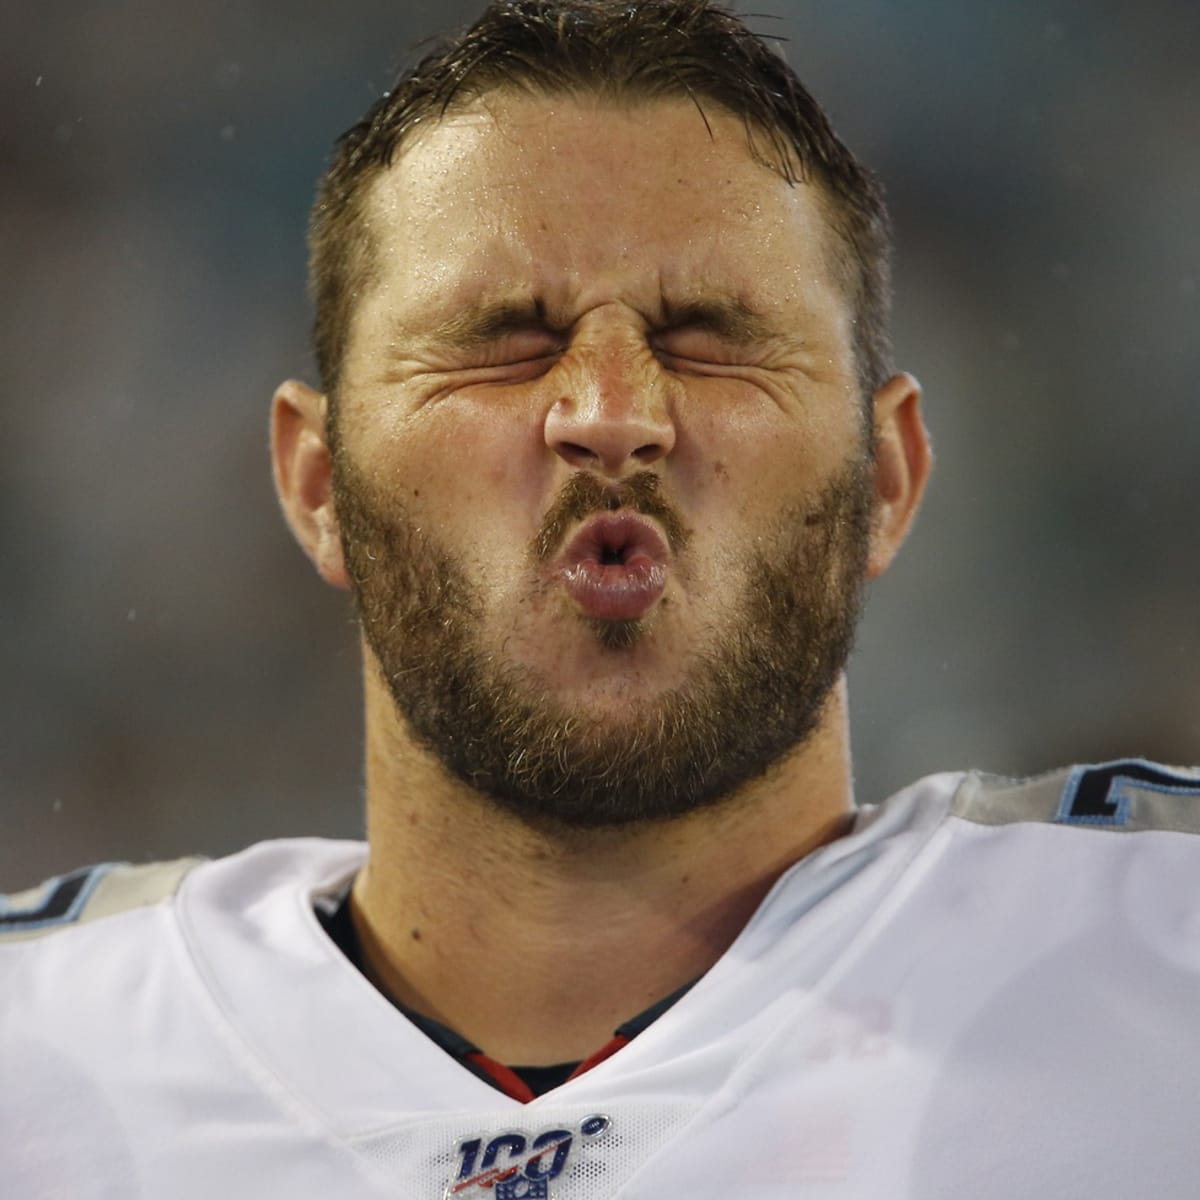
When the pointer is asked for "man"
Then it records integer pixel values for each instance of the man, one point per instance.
(607, 444)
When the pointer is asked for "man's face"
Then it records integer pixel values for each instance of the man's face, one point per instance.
(602, 476)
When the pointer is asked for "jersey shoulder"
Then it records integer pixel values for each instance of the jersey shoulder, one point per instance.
(1128, 795)
(87, 895)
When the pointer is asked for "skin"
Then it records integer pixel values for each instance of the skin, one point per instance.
(612, 219)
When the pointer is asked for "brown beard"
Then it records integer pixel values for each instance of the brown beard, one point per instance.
(753, 697)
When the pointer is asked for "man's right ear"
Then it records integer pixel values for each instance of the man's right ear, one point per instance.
(303, 470)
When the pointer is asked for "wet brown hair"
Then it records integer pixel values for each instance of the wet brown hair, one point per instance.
(626, 52)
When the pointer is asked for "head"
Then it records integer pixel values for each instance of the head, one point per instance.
(609, 442)
(624, 53)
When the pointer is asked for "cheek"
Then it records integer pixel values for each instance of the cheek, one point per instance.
(745, 469)
(479, 490)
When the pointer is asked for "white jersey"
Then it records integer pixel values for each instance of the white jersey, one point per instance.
(986, 990)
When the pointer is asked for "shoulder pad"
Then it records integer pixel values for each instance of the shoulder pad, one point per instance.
(88, 895)
(1129, 795)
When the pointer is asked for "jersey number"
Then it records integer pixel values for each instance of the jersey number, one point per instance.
(58, 901)
(1099, 795)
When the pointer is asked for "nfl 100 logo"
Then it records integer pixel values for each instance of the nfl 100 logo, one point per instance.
(517, 1164)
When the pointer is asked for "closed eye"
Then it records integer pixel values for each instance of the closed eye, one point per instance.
(510, 358)
(698, 347)
(522, 346)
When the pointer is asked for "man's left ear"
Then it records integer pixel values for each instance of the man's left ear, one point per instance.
(903, 460)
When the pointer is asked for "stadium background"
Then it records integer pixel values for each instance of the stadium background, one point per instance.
(174, 678)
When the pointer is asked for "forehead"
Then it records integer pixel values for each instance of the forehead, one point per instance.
(584, 199)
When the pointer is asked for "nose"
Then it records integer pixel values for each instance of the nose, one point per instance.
(613, 412)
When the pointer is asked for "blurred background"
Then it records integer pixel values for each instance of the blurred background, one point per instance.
(175, 680)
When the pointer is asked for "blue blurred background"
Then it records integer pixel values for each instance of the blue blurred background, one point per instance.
(175, 680)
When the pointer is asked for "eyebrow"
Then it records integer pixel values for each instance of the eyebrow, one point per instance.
(729, 317)
(476, 325)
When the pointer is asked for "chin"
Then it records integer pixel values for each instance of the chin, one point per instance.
(617, 636)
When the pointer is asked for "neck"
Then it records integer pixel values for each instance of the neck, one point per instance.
(536, 945)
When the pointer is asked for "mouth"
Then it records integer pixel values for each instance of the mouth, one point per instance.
(615, 567)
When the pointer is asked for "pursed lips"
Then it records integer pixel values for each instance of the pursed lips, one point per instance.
(615, 567)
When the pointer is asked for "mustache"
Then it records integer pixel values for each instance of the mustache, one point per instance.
(585, 493)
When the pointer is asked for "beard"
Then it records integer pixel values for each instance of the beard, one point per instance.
(751, 695)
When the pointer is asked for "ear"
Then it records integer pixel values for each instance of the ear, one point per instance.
(303, 469)
(903, 460)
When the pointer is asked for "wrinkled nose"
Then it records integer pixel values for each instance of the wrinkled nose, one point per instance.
(613, 416)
